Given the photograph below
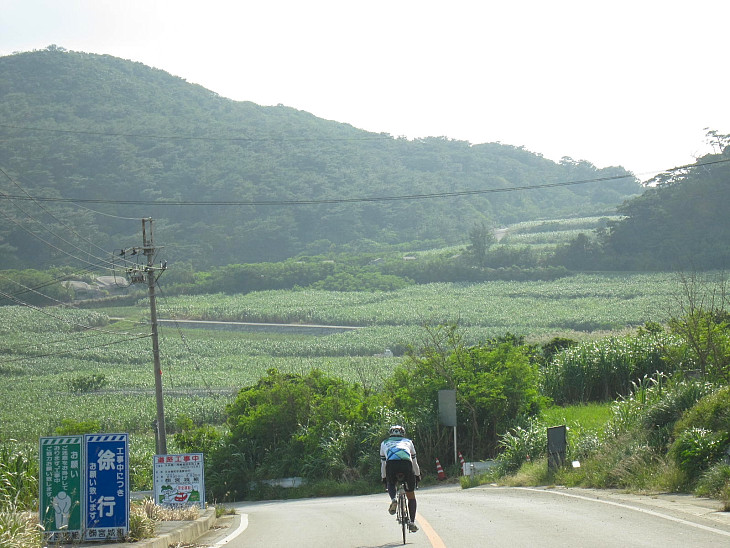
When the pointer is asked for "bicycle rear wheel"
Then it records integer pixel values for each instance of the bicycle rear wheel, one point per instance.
(403, 511)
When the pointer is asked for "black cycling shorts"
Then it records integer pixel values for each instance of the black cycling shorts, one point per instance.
(405, 467)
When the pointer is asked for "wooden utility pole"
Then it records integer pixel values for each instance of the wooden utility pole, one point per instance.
(137, 275)
(148, 249)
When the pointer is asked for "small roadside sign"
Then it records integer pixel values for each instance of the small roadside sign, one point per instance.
(106, 499)
(447, 407)
(60, 488)
(179, 480)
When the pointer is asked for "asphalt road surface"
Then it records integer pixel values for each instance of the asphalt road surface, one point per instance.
(484, 516)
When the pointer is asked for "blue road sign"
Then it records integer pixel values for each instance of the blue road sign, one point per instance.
(106, 499)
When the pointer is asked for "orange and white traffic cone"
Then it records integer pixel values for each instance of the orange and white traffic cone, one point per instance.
(461, 462)
(440, 471)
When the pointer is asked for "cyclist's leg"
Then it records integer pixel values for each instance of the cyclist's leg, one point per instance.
(411, 494)
(390, 478)
(393, 469)
(390, 484)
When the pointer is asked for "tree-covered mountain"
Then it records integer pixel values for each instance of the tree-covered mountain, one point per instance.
(107, 141)
(679, 223)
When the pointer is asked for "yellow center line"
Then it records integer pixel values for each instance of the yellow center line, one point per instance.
(430, 533)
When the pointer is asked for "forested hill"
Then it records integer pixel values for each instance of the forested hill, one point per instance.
(130, 140)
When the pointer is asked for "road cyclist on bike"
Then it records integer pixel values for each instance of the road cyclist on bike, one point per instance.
(398, 456)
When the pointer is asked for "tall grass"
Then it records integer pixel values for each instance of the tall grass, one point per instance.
(18, 528)
(18, 491)
(18, 475)
(604, 369)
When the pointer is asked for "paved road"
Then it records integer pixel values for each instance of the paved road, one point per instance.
(485, 516)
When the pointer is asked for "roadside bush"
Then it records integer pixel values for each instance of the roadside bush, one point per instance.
(632, 453)
(71, 427)
(141, 453)
(140, 526)
(715, 481)
(87, 383)
(697, 449)
(496, 387)
(529, 443)
(712, 411)
(289, 425)
(702, 435)
(583, 446)
(660, 415)
(653, 407)
(519, 445)
(201, 439)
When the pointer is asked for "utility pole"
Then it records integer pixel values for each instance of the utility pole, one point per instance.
(138, 275)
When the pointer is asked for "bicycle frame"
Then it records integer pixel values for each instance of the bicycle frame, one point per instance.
(401, 513)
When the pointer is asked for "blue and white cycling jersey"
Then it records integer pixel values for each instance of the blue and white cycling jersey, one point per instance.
(397, 448)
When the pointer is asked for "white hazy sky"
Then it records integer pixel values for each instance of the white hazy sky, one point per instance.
(631, 83)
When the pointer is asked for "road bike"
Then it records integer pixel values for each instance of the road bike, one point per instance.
(401, 510)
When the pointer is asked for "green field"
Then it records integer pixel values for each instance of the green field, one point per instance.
(42, 353)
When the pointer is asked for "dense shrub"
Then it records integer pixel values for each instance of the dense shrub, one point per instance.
(661, 414)
(715, 481)
(71, 427)
(192, 439)
(291, 425)
(703, 434)
(712, 412)
(522, 444)
(696, 449)
(653, 406)
(87, 383)
(495, 382)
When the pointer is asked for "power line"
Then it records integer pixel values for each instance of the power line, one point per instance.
(108, 262)
(353, 200)
(77, 350)
(94, 211)
(326, 200)
(34, 290)
(90, 264)
(62, 278)
(59, 318)
(50, 213)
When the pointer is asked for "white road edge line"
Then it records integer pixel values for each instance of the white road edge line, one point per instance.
(630, 507)
(241, 528)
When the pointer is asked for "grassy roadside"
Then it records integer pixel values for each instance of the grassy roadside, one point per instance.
(645, 444)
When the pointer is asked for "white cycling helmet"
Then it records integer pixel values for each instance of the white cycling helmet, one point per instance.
(397, 430)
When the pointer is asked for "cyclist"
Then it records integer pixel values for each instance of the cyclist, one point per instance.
(398, 456)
